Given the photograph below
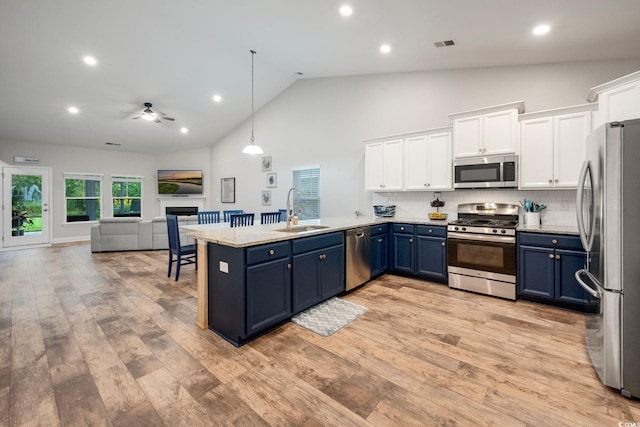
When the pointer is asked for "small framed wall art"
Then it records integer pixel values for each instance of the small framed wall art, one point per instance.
(266, 198)
(227, 190)
(266, 164)
(272, 180)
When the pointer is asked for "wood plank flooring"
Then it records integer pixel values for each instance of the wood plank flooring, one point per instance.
(108, 339)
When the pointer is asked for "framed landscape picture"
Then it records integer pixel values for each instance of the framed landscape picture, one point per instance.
(272, 180)
(228, 190)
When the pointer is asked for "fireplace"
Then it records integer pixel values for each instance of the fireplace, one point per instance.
(194, 204)
(181, 210)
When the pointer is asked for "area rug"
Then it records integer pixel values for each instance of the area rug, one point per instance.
(328, 317)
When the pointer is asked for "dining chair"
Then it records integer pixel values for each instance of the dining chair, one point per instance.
(208, 217)
(241, 220)
(184, 254)
(269, 217)
(283, 214)
(226, 214)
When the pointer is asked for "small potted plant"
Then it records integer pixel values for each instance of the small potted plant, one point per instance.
(19, 219)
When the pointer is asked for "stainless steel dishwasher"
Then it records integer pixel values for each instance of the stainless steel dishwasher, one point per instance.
(358, 269)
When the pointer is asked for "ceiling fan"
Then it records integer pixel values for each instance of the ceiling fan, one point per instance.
(150, 115)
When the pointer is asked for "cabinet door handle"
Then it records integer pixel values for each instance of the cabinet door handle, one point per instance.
(320, 257)
(554, 241)
(401, 228)
(425, 184)
(551, 256)
(428, 185)
(550, 181)
(443, 243)
(557, 180)
(479, 150)
(272, 252)
(379, 240)
(289, 266)
(430, 231)
(410, 240)
(557, 256)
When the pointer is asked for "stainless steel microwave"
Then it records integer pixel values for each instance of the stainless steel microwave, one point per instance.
(486, 172)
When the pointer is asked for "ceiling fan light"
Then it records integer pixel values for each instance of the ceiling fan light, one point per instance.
(147, 116)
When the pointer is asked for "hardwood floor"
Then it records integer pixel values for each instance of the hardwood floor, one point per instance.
(108, 339)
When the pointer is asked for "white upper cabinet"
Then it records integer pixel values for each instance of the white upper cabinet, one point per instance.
(552, 146)
(412, 161)
(618, 99)
(486, 131)
(428, 162)
(383, 165)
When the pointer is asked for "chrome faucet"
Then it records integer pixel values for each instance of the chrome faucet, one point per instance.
(289, 205)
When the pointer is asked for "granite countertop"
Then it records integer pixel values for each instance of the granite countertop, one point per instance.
(240, 237)
(550, 229)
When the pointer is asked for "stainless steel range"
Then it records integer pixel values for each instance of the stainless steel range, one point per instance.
(482, 249)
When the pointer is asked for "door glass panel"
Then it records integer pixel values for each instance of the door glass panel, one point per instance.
(26, 205)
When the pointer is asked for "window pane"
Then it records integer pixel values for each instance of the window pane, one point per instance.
(81, 188)
(126, 207)
(307, 202)
(126, 188)
(83, 210)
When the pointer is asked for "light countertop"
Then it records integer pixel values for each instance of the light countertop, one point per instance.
(240, 237)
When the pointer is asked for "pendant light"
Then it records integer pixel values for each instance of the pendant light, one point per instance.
(252, 148)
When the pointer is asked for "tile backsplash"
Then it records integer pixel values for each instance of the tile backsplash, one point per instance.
(561, 204)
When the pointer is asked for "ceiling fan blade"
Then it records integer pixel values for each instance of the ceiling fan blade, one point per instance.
(135, 118)
(168, 118)
(158, 121)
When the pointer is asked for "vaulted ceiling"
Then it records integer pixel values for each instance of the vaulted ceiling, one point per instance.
(178, 54)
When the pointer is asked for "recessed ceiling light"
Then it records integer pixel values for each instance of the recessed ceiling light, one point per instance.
(73, 110)
(541, 29)
(385, 48)
(90, 60)
(346, 10)
(217, 98)
(184, 130)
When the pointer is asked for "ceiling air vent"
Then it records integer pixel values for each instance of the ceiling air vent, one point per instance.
(445, 43)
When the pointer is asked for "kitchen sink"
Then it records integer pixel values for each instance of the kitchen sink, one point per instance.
(302, 228)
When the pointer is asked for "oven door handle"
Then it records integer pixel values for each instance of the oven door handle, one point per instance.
(481, 237)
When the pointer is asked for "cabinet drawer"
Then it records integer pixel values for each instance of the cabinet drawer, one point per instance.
(430, 230)
(268, 252)
(379, 229)
(547, 240)
(312, 243)
(403, 228)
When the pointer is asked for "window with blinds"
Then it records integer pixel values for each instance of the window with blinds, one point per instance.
(307, 203)
(82, 193)
(126, 195)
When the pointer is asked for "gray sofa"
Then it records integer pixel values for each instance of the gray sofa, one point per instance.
(135, 234)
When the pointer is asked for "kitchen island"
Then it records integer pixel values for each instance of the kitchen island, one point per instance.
(232, 260)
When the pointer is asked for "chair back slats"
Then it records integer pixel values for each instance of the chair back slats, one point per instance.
(269, 217)
(208, 217)
(174, 234)
(227, 214)
(184, 254)
(241, 220)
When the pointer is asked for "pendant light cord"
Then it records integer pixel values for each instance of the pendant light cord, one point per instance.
(253, 52)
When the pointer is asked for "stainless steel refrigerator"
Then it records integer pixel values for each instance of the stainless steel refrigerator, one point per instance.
(608, 213)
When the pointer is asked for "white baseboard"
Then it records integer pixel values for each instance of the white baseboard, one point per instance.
(71, 239)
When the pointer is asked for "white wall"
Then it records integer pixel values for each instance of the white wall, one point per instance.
(73, 159)
(322, 121)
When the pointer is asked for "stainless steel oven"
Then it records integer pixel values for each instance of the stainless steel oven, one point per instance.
(482, 249)
(486, 172)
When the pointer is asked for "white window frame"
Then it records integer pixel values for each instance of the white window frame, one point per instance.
(297, 197)
(86, 176)
(126, 178)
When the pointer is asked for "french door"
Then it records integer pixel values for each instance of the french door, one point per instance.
(26, 214)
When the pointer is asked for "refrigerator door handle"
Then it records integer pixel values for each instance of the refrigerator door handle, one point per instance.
(586, 236)
(593, 290)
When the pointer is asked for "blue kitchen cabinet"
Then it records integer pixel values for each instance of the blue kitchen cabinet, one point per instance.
(431, 252)
(318, 270)
(379, 249)
(403, 248)
(420, 250)
(252, 289)
(546, 267)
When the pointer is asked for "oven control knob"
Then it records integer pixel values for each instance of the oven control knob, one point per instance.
(464, 228)
(495, 231)
(456, 228)
(503, 231)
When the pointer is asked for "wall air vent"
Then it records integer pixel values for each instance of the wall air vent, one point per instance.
(445, 43)
(113, 144)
